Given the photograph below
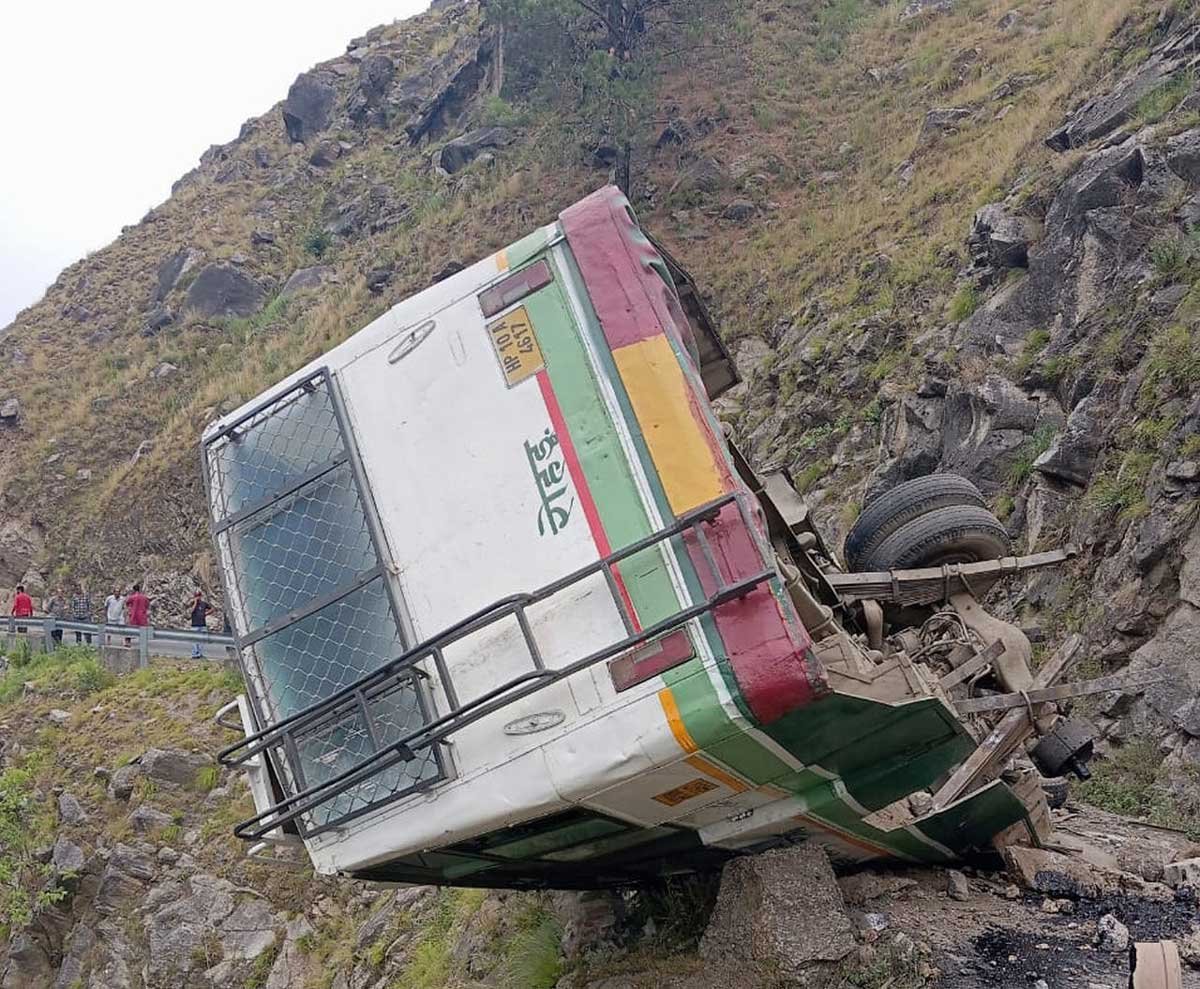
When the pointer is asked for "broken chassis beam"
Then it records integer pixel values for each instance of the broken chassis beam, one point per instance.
(1001, 702)
(929, 584)
(1008, 733)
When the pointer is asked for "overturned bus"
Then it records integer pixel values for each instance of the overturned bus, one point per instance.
(513, 611)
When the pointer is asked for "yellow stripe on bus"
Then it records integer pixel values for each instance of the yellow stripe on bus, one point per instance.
(662, 403)
(671, 710)
(688, 744)
(717, 773)
(502, 260)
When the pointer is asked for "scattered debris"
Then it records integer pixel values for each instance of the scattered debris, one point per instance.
(1111, 934)
(1184, 873)
(956, 885)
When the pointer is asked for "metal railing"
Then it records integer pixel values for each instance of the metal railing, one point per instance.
(147, 640)
(360, 700)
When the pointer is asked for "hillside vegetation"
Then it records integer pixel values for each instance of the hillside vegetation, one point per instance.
(936, 234)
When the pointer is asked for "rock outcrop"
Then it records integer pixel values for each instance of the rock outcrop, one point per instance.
(224, 290)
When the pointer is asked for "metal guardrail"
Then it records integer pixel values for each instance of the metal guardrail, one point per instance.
(148, 640)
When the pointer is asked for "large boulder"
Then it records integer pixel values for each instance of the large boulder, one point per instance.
(19, 546)
(309, 104)
(1183, 155)
(781, 911)
(223, 290)
(703, 177)
(1169, 660)
(926, 8)
(984, 428)
(306, 279)
(1073, 453)
(124, 880)
(1000, 238)
(174, 765)
(67, 856)
(440, 96)
(293, 964)
(910, 442)
(367, 104)
(460, 152)
(943, 120)
(70, 810)
(203, 924)
(28, 964)
(78, 947)
(173, 269)
(1104, 179)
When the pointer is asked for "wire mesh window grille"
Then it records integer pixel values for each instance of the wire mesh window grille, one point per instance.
(310, 599)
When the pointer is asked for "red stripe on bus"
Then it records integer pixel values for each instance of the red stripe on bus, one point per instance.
(567, 445)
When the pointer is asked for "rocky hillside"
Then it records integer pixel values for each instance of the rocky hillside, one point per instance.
(118, 870)
(954, 234)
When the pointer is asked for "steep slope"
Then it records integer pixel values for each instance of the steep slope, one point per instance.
(911, 277)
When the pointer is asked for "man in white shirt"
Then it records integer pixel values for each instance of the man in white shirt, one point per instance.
(114, 611)
(114, 607)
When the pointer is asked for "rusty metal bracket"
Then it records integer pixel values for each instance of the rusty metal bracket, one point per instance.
(968, 669)
(1008, 732)
(1023, 698)
(929, 584)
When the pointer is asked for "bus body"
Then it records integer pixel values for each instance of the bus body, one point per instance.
(511, 612)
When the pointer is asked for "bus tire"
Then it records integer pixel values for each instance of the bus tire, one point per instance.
(957, 534)
(899, 505)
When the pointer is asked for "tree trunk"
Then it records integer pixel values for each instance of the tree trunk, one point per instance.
(625, 170)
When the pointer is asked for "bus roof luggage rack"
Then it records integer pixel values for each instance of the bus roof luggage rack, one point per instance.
(356, 700)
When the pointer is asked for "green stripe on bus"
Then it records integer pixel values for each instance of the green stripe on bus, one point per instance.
(601, 456)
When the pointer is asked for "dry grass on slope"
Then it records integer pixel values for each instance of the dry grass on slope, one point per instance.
(832, 141)
(789, 93)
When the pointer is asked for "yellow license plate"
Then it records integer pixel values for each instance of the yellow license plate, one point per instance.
(516, 346)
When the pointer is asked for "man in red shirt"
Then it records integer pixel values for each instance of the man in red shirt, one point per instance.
(137, 606)
(22, 604)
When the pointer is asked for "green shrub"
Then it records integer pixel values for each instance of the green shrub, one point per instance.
(533, 959)
(964, 303)
(72, 671)
(809, 476)
(207, 778)
(885, 967)
(1124, 489)
(1035, 343)
(317, 242)
(1131, 781)
(22, 654)
(1170, 256)
(1033, 448)
(25, 825)
(260, 970)
(498, 112)
(1174, 359)
(1159, 102)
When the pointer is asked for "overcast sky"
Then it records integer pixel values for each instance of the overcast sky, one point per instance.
(105, 104)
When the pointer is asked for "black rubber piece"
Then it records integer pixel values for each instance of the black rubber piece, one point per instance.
(900, 505)
(958, 534)
(1057, 791)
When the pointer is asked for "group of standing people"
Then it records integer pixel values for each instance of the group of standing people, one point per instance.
(132, 609)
